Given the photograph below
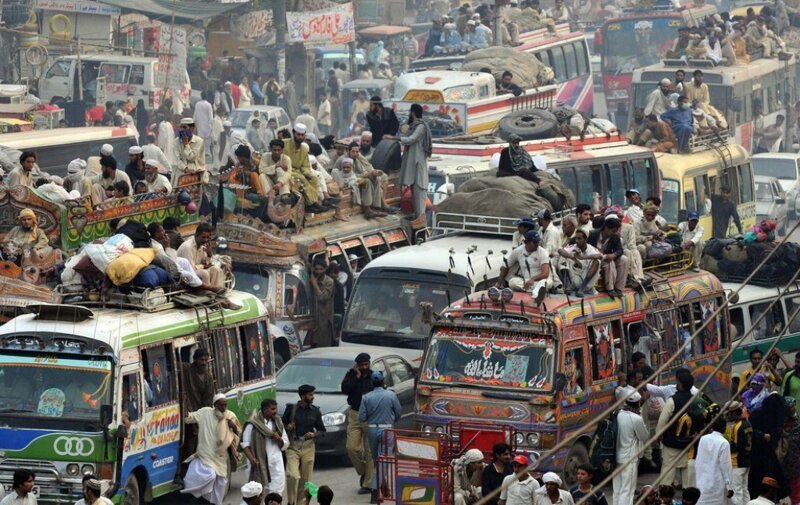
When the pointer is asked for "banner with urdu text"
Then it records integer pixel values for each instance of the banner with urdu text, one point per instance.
(335, 25)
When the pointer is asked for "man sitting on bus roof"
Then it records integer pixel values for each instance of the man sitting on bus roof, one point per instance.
(681, 122)
(26, 234)
(692, 237)
(524, 225)
(614, 262)
(584, 267)
(515, 160)
(658, 100)
(534, 267)
(660, 137)
(638, 134)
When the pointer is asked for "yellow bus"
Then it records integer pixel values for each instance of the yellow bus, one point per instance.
(688, 180)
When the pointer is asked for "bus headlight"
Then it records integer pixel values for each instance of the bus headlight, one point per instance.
(439, 429)
(73, 470)
(333, 419)
(426, 428)
(533, 439)
(87, 469)
(519, 438)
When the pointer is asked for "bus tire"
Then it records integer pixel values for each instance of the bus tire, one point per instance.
(577, 456)
(131, 494)
(386, 156)
(529, 124)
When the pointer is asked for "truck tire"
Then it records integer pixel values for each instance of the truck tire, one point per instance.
(577, 456)
(529, 124)
(387, 156)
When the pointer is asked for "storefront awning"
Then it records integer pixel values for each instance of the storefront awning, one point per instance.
(163, 10)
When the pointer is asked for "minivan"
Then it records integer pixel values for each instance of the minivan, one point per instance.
(786, 167)
(107, 77)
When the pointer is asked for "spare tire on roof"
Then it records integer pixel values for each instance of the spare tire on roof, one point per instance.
(529, 124)
(386, 156)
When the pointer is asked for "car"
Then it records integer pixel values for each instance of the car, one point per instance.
(771, 202)
(241, 115)
(325, 368)
(786, 168)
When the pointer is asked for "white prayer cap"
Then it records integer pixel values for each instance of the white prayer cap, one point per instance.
(449, 26)
(187, 121)
(494, 163)
(366, 135)
(665, 82)
(135, 150)
(352, 257)
(299, 127)
(228, 83)
(471, 22)
(251, 489)
(473, 456)
(227, 124)
(551, 477)
(628, 393)
(76, 166)
(107, 150)
(476, 15)
(347, 160)
(218, 397)
(312, 160)
(153, 163)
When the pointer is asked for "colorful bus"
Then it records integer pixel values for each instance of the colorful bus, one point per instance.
(101, 390)
(549, 371)
(636, 39)
(689, 181)
(733, 89)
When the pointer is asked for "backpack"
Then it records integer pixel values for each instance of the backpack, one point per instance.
(691, 422)
(603, 452)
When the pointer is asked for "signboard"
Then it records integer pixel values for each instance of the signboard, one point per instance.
(251, 25)
(335, 25)
(444, 119)
(77, 6)
(171, 49)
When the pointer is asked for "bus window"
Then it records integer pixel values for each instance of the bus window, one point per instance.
(737, 320)
(569, 56)
(643, 176)
(567, 175)
(603, 359)
(771, 324)
(615, 182)
(582, 57)
(158, 375)
(670, 200)
(255, 349)
(746, 178)
(559, 65)
(709, 339)
(691, 204)
(544, 57)
(573, 371)
(131, 403)
(793, 313)
(295, 296)
(589, 181)
(701, 187)
(226, 358)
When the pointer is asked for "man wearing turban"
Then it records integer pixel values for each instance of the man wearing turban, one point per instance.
(26, 235)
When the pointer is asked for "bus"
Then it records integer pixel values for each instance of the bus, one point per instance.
(636, 39)
(547, 372)
(689, 180)
(566, 52)
(73, 383)
(733, 90)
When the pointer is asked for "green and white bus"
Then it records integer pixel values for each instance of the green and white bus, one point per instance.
(99, 390)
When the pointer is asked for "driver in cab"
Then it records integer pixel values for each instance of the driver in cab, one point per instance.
(383, 316)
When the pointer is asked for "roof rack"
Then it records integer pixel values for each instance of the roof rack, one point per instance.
(141, 299)
(450, 222)
(759, 279)
(708, 141)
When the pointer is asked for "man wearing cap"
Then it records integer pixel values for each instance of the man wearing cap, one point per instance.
(631, 434)
(713, 467)
(768, 492)
(303, 421)
(217, 442)
(156, 183)
(515, 160)
(92, 492)
(135, 166)
(553, 494)
(382, 121)
(467, 471)
(614, 262)
(307, 119)
(739, 433)
(524, 225)
(191, 153)
(365, 146)
(251, 493)
(151, 151)
(263, 440)
(450, 40)
(356, 383)
(692, 237)
(346, 178)
(380, 409)
(635, 212)
(474, 39)
(302, 178)
(519, 488)
(533, 265)
(658, 100)
(583, 264)
(26, 234)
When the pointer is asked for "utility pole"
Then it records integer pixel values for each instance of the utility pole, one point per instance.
(279, 22)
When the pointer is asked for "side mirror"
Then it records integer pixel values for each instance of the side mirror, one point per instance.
(106, 414)
(683, 215)
(122, 432)
(780, 201)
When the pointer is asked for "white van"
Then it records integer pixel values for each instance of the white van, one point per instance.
(107, 77)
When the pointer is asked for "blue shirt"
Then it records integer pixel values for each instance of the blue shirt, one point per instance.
(678, 117)
(380, 406)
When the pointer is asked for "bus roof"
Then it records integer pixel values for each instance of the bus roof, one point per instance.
(667, 12)
(575, 310)
(442, 80)
(61, 136)
(675, 166)
(724, 75)
(123, 329)
(752, 293)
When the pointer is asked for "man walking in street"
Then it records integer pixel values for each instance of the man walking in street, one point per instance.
(21, 489)
(356, 383)
(263, 439)
(303, 421)
(713, 467)
(519, 488)
(380, 409)
(739, 434)
(679, 434)
(218, 432)
(631, 434)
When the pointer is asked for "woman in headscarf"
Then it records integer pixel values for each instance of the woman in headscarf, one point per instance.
(515, 160)
(754, 396)
(468, 470)
(789, 451)
(767, 422)
(142, 117)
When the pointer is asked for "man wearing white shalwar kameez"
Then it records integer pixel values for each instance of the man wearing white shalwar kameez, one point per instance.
(218, 431)
(713, 467)
(166, 141)
(631, 434)
(266, 461)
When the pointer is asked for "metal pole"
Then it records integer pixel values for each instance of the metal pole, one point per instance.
(80, 71)
(169, 60)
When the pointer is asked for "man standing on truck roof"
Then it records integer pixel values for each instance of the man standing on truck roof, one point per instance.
(382, 121)
(722, 210)
(414, 167)
(534, 267)
(356, 383)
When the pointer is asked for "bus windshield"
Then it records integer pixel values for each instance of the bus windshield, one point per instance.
(36, 387)
(629, 44)
(252, 281)
(670, 200)
(383, 308)
(490, 362)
